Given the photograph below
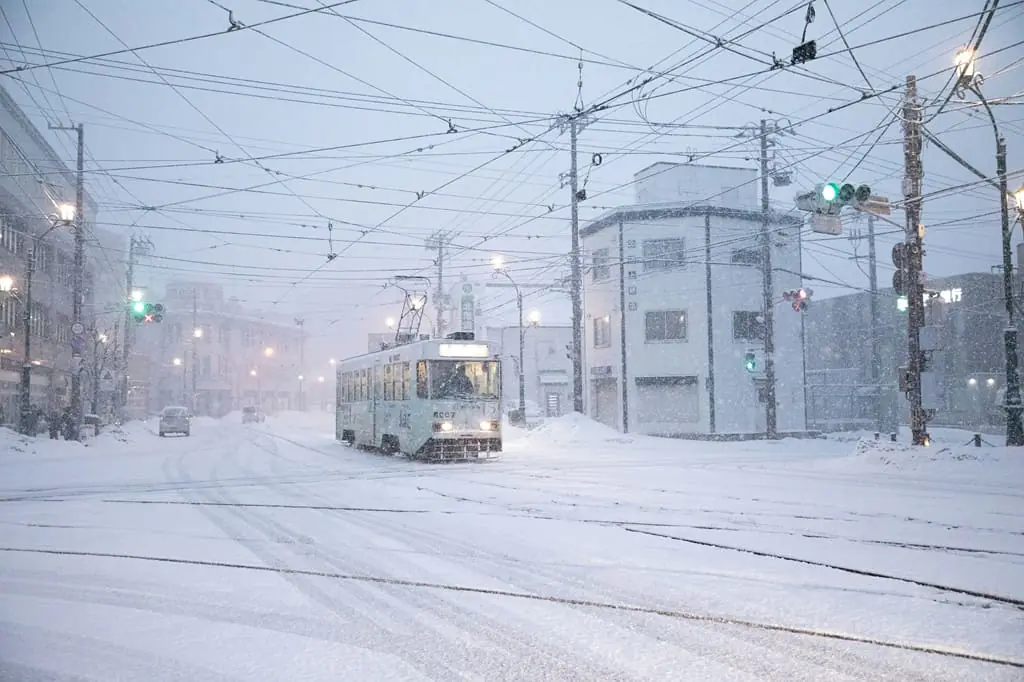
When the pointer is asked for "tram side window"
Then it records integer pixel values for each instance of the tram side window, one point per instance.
(361, 385)
(406, 376)
(422, 386)
(389, 387)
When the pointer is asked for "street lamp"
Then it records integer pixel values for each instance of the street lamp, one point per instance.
(1019, 198)
(197, 333)
(498, 263)
(102, 338)
(390, 322)
(268, 351)
(176, 362)
(320, 379)
(332, 362)
(252, 372)
(66, 212)
(64, 217)
(969, 79)
(6, 284)
(534, 317)
(136, 295)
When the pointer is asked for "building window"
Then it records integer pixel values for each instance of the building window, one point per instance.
(747, 325)
(664, 254)
(601, 269)
(748, 256)
(665, 325)
(602, 332)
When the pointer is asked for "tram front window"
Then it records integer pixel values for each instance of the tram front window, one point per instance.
(456, 379)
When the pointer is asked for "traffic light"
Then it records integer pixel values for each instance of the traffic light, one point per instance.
(750, 362)
(146, 313)
(800, 298)
(828, 198)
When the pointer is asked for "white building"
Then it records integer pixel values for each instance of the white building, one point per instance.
(547, 367)
(673, 303)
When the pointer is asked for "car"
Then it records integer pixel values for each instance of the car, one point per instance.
(175, 419)
(251, 413)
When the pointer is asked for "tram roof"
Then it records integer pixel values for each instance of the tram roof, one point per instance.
(432, 349)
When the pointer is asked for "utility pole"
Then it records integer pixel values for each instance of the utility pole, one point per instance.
(195, 348)
(575, 122)
(1011, 398)
(26, 364)
(137, 246)
(439, 242)
(78, 283)
(770, 407)
(914, 241)
(876, 359)
(301, 323)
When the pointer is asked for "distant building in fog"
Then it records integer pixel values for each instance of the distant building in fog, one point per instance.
(547, 367)
(240, 359)
(969, 311)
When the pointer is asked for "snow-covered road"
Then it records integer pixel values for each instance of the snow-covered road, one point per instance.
(274, 553)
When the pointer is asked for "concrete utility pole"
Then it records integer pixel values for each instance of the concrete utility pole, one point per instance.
(78, 281)
(876, 360)
(575, 122)
(438, 242)
(196, 334)
(770, 407)
(137, 246)
(914, 241)
(301, 324)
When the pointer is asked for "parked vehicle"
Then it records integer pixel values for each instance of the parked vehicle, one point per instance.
(174, 419)
(252, 414)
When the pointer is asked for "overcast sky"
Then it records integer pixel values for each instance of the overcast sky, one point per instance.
(342, 119)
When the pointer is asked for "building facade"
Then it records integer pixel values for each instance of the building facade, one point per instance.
(33, 182)
(968, 311)
(673, 303)
(210, 354)
(547, 367)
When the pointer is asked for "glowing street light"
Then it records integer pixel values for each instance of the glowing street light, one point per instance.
(252, 372)
(136, 295)
(268, 351)
(6, 284)
(534, 317)
(966, 62)
(102, 338)
(498, 262)
(1019, 196)
(66, 212)
(972, 382)
(176, 362)
(301, 378)
(332, 362)
(320, 379)
(197, 333)
(390, 322)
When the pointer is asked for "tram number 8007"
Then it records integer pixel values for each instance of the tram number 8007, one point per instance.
(444, 415)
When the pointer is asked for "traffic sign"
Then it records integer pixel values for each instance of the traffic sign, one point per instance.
(826, 224)
(876, 205)
(78, 343)
(77, 328)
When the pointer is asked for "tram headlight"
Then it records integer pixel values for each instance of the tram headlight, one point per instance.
(488, 426)
(443, 426)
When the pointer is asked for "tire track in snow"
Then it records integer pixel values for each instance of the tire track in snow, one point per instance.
(558, 662)
(838, 662)
(682, 615)
(1008, 601)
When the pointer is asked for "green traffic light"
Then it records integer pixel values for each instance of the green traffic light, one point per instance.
(750, 363)
(138, 307)
(830, 191)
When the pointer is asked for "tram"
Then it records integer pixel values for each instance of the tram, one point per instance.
(438, 399)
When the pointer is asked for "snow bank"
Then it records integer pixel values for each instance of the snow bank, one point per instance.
(989, 459)
(13, 443)
(575, 429)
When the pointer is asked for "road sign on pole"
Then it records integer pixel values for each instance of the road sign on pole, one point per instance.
(826, 224)
(876, 205)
